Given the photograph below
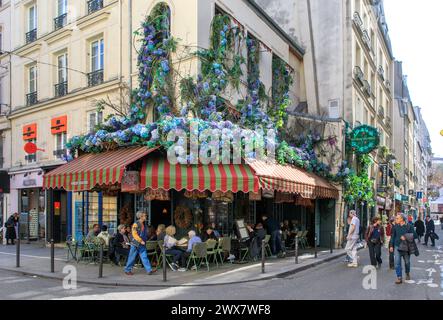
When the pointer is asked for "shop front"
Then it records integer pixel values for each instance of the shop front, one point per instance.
(109, 188)
(27, 197)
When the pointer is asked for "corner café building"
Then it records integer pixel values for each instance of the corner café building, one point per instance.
(109, 187)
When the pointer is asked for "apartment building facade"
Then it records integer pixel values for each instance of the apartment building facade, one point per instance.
(68, 55)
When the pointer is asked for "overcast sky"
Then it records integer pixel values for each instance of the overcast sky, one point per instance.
(416, 28)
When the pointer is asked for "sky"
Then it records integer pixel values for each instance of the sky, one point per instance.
(416, 28)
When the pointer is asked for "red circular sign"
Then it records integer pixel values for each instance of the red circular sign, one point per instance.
(30, 148)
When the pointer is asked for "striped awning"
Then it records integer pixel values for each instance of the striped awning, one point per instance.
(90, 170)
(289, 179)
(160, 174)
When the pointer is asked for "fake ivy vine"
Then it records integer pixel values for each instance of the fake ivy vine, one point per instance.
(359, 187)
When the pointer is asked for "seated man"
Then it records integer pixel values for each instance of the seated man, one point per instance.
(193, 239)
(93, 233)
(209, 234)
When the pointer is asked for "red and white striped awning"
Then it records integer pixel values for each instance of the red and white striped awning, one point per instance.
(289, 179)
(90, 170)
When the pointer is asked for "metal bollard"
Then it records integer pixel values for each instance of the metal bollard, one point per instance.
(331, 241)
(296, 249)
(52, 256)
(263, 256)
(17, 252)
(315, 246)
(100, 266)
(164, 263)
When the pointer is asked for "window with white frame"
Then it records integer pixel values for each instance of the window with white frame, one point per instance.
(62, 64)
(94, 118)
(31, 158)
(60, 144)
(62, 7)
(32, 79)
(97, 55)
(32, 18)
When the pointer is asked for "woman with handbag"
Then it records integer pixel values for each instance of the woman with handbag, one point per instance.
(375, 237)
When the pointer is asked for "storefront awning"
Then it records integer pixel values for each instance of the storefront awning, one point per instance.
(90, 170)
(160, 174)
(284, 178)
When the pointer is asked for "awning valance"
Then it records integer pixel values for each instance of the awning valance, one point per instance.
(90, 170)
(290, 179)
(160, 174)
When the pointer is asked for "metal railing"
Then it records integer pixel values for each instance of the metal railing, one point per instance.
(61, 89)
(388, 85)
(367, 88)
(31, 98)
(95, 78)
(60, 153)
(358, 74)
(60, 21)
(31, 36)
(381, 72)
(381, 112)
(358, 21)
(94, 5)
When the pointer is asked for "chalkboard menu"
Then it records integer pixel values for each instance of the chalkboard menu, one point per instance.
(33, 224)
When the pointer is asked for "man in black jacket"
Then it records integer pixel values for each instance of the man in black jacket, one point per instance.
(273, 228)
(430, 228)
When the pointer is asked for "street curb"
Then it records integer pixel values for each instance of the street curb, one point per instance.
(117, 284)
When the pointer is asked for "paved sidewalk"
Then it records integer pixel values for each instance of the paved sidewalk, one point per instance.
(35, 261)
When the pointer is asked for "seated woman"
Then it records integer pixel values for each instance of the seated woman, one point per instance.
(121, 244)
(160, 233)
(104, 235)
(209, 234)
(171, 248)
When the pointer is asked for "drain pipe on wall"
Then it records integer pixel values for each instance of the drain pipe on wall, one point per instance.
(130, 44)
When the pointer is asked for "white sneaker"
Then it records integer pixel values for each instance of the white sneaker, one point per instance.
(353, 265)
(194, 268)
(182, 270)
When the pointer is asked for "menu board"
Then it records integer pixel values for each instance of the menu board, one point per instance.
(33, 224)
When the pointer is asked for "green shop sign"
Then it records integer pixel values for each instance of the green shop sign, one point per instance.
(364, 139)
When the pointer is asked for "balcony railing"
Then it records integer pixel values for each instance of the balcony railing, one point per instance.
(31, 158)
(359, 75)
(60, 153)
(367, 88)
(31, 36)
(94, 5)
(367, 40)
(381, 72)
(388, 85)
(60, 21)
(381, 112)
(358, 21)
(61, 89)
(31, 98)
(95, 78)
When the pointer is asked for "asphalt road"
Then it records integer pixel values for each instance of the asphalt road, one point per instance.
(329, 281)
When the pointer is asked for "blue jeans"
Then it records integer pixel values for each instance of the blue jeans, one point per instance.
(141, 250)
(276, 242)
(176, 253)
(397, 260)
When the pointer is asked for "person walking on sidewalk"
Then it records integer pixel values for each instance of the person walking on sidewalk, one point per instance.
(430, 231)
(419, 228)
(389, 227)
(375, 237)
(352, 239)
(139, 237)
(400, 231)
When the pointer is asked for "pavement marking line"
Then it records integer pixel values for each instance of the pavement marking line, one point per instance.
(29, 256)
(17, 280)
(23, 295)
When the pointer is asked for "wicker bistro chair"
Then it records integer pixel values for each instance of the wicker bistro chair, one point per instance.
(211, 250)
(224, 245)
(199, 253)
(304, 239)
(169, 257)
(268, 246)
(72, 248)
(152, 250)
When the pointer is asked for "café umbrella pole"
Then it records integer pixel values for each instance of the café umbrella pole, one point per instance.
(263, 256)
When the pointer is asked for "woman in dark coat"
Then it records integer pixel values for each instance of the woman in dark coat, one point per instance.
(419, 228)
(10, 228)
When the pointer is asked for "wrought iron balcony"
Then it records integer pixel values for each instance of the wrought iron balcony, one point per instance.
(31, 36)
(381, 72)
(358, 21)
(381, 112)
(367, 88)
(94, 5)
(60, 153)
(367, 40)
(61, 89)
(95, 78)
(60, 21)
(31, 98)
(31, 158)
(359, 75)
(388, 85)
